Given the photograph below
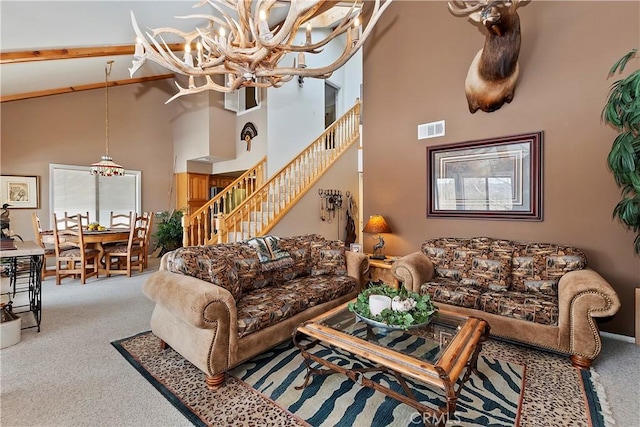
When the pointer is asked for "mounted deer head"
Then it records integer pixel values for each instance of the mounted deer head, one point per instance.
(492, 76)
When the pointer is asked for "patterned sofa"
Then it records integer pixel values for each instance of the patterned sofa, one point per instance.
(534, 293)
(221, 305)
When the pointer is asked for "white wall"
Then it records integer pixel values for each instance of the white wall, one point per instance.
(291, 117)
(246, 159)
(190, 129)
(296, 114)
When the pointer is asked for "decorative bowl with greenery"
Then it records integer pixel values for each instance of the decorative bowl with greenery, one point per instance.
(409, 309)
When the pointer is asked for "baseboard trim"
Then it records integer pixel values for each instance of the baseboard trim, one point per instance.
(618, 337)
(637, 316)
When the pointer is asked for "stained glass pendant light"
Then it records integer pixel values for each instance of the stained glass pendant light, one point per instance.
(107, 167)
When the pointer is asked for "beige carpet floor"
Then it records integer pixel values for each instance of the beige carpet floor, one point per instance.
(70, 375)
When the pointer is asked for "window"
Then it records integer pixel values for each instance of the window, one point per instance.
(74, 190)
(242, 100)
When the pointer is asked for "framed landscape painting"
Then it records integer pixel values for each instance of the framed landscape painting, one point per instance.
(20, 192)
(495, 178)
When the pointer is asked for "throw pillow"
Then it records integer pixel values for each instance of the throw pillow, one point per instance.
(270, 254)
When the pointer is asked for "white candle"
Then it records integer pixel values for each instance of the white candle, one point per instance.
(263, 26)
(308, 32)
(222, 40)
(377, 303)
(139, 48)
(199, 45)
(355, 31)
(301, 61)
(188, 58)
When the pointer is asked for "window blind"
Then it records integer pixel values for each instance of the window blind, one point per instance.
(74, 190)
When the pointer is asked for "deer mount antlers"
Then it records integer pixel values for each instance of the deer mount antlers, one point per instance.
(492, 75)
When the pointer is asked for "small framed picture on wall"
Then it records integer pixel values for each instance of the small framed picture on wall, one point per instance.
(355, 247)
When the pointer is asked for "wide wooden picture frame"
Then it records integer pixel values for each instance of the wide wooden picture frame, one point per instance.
(494, 178)
(20, 192)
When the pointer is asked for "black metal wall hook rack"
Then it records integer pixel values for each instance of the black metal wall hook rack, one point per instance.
(331, 201)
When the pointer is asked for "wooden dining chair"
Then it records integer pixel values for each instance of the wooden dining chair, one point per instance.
(117, 220)
(122, 258)
(79, 260)
(49, 250)
(71, 221)
(147, 238)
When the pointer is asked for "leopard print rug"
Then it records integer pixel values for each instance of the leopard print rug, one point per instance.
(554, 394)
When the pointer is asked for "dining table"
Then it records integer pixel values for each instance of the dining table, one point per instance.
(97, 238)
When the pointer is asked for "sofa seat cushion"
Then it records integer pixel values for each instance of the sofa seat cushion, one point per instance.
(537, 308)
(264, 307)
(452, 292)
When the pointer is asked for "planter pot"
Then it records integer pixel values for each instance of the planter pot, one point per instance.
(10, 325)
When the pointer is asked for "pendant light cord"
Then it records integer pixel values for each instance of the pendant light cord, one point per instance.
(107, 72)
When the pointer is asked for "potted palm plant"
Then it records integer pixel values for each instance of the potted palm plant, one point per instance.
(169, 230)
(622, 111)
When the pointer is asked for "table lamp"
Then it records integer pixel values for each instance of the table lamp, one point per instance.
(377, 224)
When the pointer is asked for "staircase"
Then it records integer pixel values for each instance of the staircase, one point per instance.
(257, 204)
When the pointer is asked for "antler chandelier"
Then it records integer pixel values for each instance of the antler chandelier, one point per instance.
(238, 44)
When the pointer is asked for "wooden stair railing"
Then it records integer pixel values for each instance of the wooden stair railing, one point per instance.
(263, 208)
(200, 228)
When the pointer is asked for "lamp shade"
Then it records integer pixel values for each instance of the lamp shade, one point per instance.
(376, 224)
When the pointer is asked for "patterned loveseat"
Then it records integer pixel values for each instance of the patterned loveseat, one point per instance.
(221, 305)
(534, 293)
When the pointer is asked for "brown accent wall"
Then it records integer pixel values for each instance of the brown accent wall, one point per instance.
(414, 70)
(70, 129)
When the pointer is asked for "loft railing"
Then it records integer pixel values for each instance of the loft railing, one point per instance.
(262, 210)
(200, 228)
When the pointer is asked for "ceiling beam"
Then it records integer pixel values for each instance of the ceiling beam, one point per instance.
(58, 91)
(71, 53)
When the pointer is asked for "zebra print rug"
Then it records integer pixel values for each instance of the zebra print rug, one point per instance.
(490, 398)
(516, 386)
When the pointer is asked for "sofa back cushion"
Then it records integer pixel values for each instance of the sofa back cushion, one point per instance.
(328, 258)
(491, 268)
(537, 267)
(478, 261)
(451, 257)
(249, 269)
(214, 264)
(299, 249)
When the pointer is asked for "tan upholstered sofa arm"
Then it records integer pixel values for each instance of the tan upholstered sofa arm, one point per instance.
(413, 270)
(200, 303)
(357, 267)
(582, 295)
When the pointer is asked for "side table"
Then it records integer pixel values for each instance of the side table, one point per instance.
(21, 268)
(380, 269)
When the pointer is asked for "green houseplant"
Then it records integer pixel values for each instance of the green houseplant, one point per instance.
(622, 111)
(169, 230)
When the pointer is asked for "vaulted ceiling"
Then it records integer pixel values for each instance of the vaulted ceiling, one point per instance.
(50, 47)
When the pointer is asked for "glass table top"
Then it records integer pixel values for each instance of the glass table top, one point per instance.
(427, 343)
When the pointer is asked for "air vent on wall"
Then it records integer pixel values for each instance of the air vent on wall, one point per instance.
(431, 130)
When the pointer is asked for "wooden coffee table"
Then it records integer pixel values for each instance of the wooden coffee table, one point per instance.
(437, 356)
